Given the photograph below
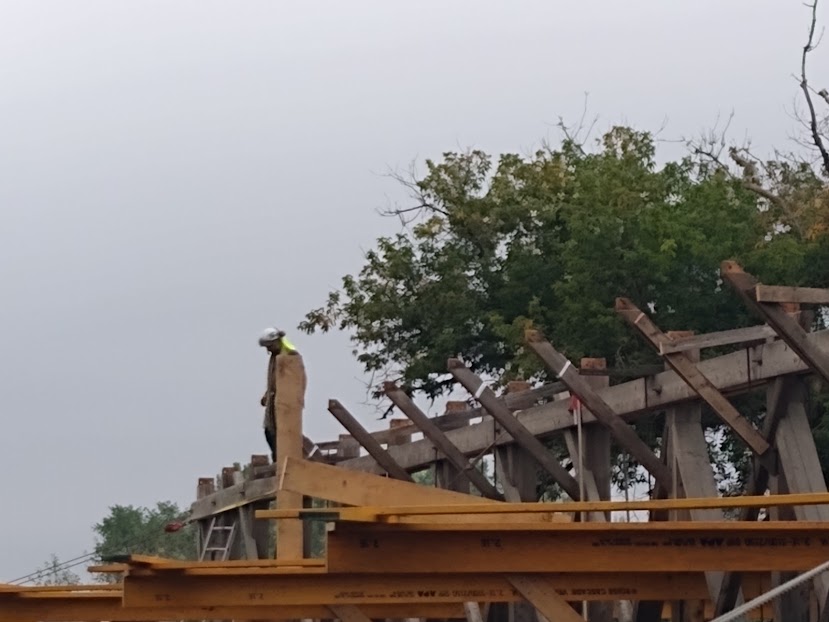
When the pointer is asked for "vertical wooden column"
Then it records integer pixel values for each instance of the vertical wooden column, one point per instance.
(689, 460)
(596, 462)
(447, 475)
(597, 438)
(290, 402)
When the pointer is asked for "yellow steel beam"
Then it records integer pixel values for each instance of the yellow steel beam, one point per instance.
(238, 589)
(402, 513)
(134, 562)
(586, 547)
(108, 607)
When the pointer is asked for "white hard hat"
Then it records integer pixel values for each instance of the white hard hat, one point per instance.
(269, 336)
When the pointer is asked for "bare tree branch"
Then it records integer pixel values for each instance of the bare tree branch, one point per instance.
(814, 128)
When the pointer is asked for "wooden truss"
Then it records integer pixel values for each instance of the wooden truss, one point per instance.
(488, 543)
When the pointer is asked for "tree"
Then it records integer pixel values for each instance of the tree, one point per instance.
(549, 241)
(140, 530)
(55, 572)
(492, 246)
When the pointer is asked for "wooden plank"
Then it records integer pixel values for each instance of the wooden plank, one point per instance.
(624, 434)
(333, 483)
(438, 438)
(688, 371)
(579, 547)
(290, 402)
(786, 326)
(374, 448)
(543, 596)
(801, 295)
(472, 383)
(718, 339)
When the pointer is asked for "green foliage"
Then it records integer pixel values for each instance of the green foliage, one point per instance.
(140, 530)
(55, 572)
(550, 240)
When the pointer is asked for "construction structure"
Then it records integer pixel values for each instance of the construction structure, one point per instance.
(483, 548)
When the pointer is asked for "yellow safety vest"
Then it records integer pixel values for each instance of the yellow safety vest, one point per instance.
(287, 345)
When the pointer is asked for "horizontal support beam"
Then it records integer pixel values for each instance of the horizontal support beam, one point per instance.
(718, 339)
(364, 590)
(389, 513)
(593, 547)
(801, 295)
(109, 608)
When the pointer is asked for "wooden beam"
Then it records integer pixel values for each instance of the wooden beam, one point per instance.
(290, 402)
(434, 434)
(411, 590)
(95, 607)
(758, 482)
(690, 372)
(543, 596)
(800, 295)
(368, 441)
(388, 511)
(340, 485)
(786, 326)
(472, 383)
(624, 434)
(718, 339)
(801, 467)
(579, 547)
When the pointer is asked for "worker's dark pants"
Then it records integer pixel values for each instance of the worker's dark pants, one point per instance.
(271, 438)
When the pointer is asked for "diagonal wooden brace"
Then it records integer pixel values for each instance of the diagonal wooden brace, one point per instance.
(365, 438)
(786, 326)
(622, 432)
(472, 383)
(439, 439)
(690, 373)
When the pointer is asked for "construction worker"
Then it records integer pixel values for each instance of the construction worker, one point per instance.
(273, 341)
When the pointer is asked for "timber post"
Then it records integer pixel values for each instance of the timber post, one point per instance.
(291, 383)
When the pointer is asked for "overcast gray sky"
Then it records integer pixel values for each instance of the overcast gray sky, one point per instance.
(175, 176)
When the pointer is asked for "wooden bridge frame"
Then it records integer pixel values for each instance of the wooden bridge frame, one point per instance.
(776, 357)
